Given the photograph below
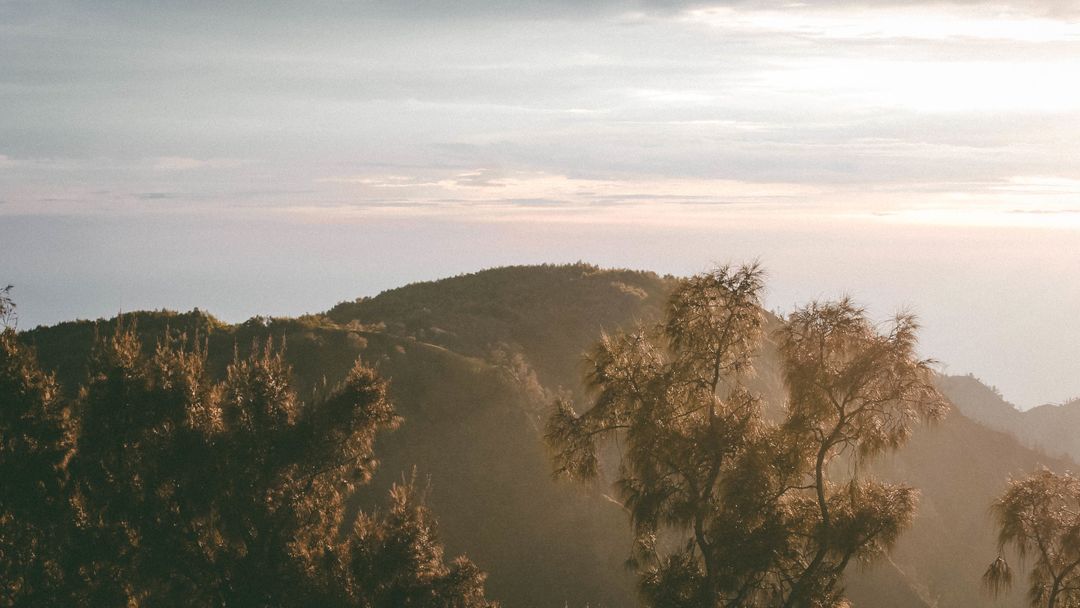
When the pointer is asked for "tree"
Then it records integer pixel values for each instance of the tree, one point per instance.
(35, 440)
(7, 308)
(1039, 517)
(728, 507)
(160, 485)
(394, 560)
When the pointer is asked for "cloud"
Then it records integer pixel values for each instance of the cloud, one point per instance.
(156, 196)
(1044, 184)
(396, 102)
(882, 21)
(536, 202)
(480, 178)
(183, 163)
(177, 163)
(380, 181)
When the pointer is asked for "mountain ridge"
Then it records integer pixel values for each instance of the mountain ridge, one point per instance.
(474, 362)
(1048, 427)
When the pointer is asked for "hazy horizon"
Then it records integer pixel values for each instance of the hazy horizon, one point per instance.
(961, 283)
(261, 158)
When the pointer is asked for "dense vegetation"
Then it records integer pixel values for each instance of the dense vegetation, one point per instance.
(159, 485)
(474, 363)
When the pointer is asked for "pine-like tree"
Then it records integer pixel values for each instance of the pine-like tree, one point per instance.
(1039, 517)
(728, 507)
(160, 486)
(35, 440)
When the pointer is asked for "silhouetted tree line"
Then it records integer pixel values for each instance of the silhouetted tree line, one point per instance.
(158, 485)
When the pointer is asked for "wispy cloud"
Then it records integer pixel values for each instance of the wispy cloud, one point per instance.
(183, 163)
(912, 21)
(825, 105)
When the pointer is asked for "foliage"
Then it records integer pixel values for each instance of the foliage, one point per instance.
(728, 507)
(1039, 517)
(546, 543)
(475, 418)
(159, 485)
(545, 310)
(7, 308)
(393, 562)
(35, 439)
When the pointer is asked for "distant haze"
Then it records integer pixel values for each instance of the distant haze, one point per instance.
(263, 158)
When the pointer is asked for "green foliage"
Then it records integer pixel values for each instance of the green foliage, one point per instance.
(1039, 517)
(729, 508)
(166, 487)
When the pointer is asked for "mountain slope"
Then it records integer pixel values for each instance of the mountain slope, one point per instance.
(1050, 428)
(474, 363)
(552, 313)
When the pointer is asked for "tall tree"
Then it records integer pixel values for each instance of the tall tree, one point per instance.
(728, 507)
(854, 391)
(1039, 517)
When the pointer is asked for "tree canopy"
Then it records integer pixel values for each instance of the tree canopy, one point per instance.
(730, 507)
(7, 307)
(159, 485)
(1039, 517)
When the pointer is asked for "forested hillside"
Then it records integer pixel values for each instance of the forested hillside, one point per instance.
(474, 364)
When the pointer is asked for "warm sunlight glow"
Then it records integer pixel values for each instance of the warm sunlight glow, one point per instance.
(937, 86)
(985, 218)
(790, 288)
(919, 23)
(384, 142)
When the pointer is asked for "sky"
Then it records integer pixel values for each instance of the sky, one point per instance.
(276, 157)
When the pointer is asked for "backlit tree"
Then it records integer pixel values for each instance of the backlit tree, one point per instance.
(160, 486)
(728, 507)
(1039, 517)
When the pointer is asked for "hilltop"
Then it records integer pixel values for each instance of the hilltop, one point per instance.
(1050, 428)
(475, 362)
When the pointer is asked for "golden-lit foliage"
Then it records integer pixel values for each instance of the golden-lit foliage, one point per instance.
(842, 374)
(394, 560)
(1039, 517)
(35, 441)
(159, 485)
(728, 507)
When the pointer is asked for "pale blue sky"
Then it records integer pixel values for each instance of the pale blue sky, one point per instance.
(273, 157)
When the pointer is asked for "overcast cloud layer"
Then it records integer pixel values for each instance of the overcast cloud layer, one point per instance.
(126, 128)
